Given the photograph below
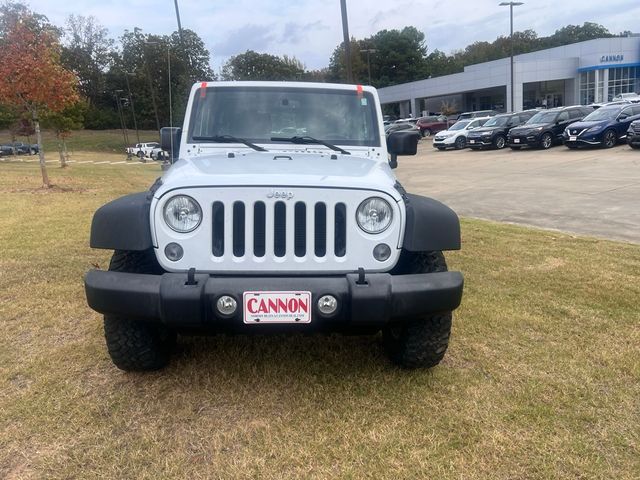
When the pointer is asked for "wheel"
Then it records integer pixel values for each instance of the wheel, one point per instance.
(461, 142)
(419, 343)
(426, 132)
(499, 142)
(32, 151)
(135, 345)
(546, 141)
(516, 148)
(140, 154)
(609, 139)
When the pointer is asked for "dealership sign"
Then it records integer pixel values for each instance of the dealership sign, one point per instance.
(611, 58)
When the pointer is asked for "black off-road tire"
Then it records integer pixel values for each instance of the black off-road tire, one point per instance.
(419, 343)
(135, 345)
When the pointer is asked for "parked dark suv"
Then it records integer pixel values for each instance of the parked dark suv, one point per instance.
(633, 134)
(603, 127)
(432, 124)
(493, 134)
(545, 128)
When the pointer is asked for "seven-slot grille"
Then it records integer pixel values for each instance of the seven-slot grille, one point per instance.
(270, 222)
(249, 230)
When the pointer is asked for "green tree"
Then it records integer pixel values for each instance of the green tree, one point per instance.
(252, 65)
(88, 52)
(399, 57)
(576, 33)
(63, 123)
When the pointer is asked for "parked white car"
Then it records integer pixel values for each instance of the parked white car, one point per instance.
(142, 150)
(456, 136)
(159, 154)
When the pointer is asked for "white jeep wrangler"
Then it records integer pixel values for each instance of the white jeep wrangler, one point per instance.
(279, 212)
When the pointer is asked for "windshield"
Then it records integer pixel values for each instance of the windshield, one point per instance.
(460, 125)
(496, 121)
(602, 114)
(542, 117)
(255, 114)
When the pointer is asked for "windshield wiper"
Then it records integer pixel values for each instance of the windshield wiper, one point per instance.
(306, 140)
(230, 139)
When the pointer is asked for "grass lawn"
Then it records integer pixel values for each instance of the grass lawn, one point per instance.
(542, 378)
(106, 141)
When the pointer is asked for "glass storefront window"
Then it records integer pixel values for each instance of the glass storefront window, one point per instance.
(623, 80)
(587, 87)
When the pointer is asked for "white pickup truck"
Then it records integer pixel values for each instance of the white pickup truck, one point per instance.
(142, 150)
(280, 212)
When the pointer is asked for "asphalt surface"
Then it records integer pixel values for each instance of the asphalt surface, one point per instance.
(594, 192)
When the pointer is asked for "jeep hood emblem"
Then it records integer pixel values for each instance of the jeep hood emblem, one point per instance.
(286, 194)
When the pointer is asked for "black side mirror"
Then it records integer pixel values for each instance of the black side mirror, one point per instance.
(170, 141)
(402, 143)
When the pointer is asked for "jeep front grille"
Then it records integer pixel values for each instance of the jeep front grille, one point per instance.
(255, 241)
(248, 230)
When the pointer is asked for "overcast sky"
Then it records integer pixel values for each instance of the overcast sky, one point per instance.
(311, 29)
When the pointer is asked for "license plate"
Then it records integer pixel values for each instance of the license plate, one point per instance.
(472, 141)
(516, 140)
(277, 307)
(572, 139)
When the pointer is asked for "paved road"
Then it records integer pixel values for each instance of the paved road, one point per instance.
(589, 192)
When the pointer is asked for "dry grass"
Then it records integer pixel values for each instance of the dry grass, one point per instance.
(542, 379)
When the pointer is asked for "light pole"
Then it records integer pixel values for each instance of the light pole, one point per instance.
(369, 51)
(347, 41)
(511, 5)
(133, 108)
(125, 138)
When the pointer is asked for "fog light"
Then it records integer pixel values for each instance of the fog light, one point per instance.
(327, 304)
(226, 305)
(381, 252)
(173, 251)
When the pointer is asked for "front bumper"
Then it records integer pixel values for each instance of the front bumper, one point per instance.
(633, 139)
(583, 140)
(479, 142)
(532, 140)
(169, 299)
(444, 141)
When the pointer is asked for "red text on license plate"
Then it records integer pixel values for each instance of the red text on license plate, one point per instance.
(277, 307)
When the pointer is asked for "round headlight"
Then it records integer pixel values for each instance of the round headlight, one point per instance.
(374, 215)
(182, 214)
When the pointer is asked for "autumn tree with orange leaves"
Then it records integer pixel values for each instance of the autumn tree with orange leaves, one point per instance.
(31, 76)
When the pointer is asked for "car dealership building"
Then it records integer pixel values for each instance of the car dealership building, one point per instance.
(580, 73)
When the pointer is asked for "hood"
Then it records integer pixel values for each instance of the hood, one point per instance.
(582, 125)
(280, 169)
(527, 128)
(481, 130)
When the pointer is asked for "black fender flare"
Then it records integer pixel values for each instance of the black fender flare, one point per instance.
(123, 224)
(430, 225)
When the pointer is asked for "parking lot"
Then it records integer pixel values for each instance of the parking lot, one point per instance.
(593, 192)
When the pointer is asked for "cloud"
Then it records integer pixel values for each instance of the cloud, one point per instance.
(247, 37)
(310, 29)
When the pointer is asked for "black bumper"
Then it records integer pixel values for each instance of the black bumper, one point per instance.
(168, 298)
(524, 141)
